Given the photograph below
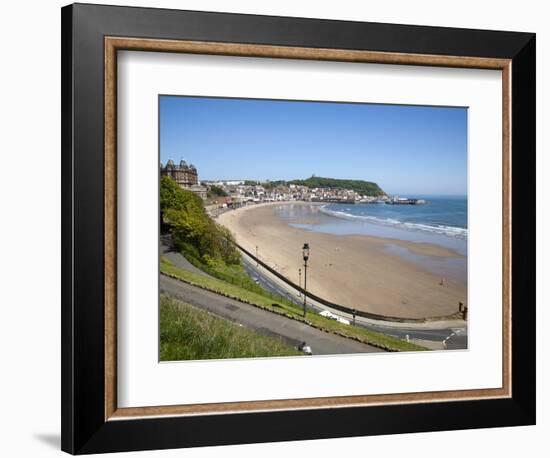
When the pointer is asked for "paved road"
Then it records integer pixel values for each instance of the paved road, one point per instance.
(262, 279)
(455, 338)
(267, 323)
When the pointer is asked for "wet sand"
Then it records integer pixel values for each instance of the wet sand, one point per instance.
(356, 271)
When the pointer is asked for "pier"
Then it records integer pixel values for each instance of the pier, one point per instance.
(405, 201)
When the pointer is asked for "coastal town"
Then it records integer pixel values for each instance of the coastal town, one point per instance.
(297, 228)
(197, 224)
(243, 192)
(237, 193)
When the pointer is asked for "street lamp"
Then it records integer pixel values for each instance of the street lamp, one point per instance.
(299, 281)
(257, 256)
(305, 254)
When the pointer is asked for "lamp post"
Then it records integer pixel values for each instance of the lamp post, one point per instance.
(305, 254)
(257, 256)
(300, 281)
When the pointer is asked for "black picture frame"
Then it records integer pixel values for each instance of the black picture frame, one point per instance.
(84, 428)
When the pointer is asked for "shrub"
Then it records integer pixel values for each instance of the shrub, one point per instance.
(191, 229)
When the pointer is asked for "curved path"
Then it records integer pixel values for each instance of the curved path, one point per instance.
(454, 337)
(453, 333)
(267, 323)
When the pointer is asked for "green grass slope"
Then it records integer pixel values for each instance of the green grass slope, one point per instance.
(189, 333)
(287, 309)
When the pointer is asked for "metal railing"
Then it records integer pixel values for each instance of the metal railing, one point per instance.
(342, 308)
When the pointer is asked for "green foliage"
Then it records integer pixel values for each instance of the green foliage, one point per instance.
(189, 333)
(366, 188)
(191, 228)
(216, 191)
(251, 182)
(273, 184)
(174, 197)
(266, 301)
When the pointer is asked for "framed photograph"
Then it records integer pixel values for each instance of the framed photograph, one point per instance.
(281, 228)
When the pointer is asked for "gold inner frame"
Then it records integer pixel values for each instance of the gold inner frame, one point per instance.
(114, 44)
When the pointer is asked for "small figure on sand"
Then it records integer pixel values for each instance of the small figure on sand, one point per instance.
(443, 282)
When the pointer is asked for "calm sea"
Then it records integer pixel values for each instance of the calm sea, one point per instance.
(442, 220)
(441, 215)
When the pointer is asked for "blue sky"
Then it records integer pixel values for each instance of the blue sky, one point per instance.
(405, 149)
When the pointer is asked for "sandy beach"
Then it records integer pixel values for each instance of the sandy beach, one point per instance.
(357, 271)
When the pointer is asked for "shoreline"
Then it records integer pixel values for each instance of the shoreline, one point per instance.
(358, 271)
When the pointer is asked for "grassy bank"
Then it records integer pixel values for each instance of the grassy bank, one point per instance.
(288, 309)
(188, 333)
(230, 273)
(205, 244)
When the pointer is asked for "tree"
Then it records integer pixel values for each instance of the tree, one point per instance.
(216, 191)
(191, 228)
(360, 186)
